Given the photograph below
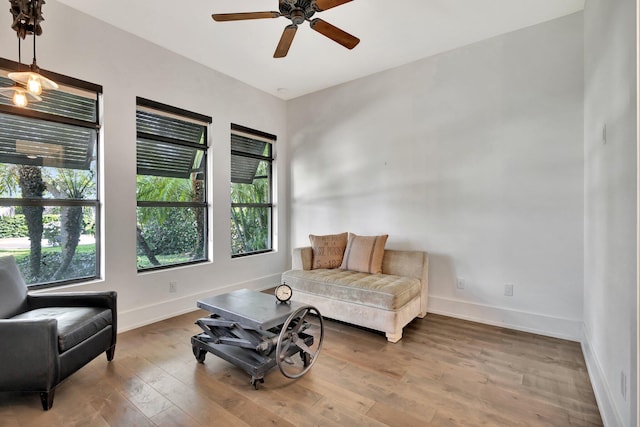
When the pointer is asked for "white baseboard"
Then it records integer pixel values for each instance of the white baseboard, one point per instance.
(145, 315)
(568, 329)
(601, 389)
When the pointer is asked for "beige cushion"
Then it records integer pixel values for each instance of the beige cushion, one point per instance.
(364, 253)
(328, 250)
(384, 291)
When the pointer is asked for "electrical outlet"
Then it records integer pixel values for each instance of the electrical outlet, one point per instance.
(508, 290)
(173, 287)
(460, 283)
(623, 385)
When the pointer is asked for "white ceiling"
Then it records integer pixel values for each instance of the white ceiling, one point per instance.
(392, 33)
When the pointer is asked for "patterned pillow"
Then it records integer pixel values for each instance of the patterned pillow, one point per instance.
(328, 250)
(364, 253)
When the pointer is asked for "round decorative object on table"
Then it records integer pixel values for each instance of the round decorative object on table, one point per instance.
(283, 293)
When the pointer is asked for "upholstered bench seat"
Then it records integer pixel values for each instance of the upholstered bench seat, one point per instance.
(385, 301)
(75, 324)
(385, 291)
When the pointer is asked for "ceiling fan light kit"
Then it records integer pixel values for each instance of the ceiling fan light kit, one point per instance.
(298, 11)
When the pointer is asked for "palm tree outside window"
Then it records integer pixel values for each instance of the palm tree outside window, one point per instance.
(49, 189)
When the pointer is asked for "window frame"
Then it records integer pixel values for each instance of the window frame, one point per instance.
(270, 139)
(72, 83)
(184, 115)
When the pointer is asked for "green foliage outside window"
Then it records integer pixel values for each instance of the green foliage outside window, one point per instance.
(169, 233)
(16, 226)
(171, 162)
(249, 230)
(59, 228)
(251, 208)
(13, 226)
(49, 204)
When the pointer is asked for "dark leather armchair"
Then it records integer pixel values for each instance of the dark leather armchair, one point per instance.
(45, 338)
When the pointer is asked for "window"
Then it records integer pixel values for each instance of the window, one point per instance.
(251, 191)
(49, 196)
(171, 185)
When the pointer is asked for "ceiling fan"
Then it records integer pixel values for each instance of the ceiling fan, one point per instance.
(297, 11)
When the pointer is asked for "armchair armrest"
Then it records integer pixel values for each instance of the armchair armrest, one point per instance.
(73, 299)
(28, 346)
(302, 258)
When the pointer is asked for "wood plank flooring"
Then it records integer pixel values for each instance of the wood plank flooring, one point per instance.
(444, 372)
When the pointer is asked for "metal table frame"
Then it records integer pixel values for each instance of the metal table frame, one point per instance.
(243, 329)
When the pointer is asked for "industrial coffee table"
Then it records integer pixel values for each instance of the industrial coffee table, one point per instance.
(255, 332)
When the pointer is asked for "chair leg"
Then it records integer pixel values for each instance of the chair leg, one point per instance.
(46, 397)
(111, 351)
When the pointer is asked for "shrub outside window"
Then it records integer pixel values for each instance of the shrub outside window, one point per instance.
(49, 195)
(251, 191)
(171, 158)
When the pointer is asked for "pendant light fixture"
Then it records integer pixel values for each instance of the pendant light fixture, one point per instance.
(27, 15)
(32, 79)
(19, 93)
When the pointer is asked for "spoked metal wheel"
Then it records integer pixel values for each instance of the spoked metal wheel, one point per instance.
(299, 342)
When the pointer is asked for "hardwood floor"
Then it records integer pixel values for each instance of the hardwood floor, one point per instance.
(444, 372)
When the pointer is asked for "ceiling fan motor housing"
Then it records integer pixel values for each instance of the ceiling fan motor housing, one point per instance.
(297, 10)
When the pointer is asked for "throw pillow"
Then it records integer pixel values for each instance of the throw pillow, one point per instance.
(328, 250)
(364, 253)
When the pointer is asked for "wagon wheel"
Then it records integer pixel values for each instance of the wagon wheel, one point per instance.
(301, 333)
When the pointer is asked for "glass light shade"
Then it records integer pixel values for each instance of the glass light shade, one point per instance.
(19, 95)
(29, 78)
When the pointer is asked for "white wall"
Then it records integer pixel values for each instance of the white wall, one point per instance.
(475, 156)
(610, 206)
(79, 46)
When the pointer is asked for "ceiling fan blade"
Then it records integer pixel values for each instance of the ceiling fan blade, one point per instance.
(222, 17)
(334, 33)
(328, 4)
(285, 41)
